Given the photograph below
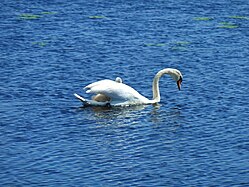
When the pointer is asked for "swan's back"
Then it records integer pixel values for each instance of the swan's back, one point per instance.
(116, 91)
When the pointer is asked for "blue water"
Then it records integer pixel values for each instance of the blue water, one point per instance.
(198, 136)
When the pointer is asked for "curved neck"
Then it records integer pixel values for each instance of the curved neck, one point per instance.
(155, 85)
(155, 88)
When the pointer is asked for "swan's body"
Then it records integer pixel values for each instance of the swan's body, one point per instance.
(102, 97)
(116, 93)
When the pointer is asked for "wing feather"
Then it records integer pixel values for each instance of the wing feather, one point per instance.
(114, 90)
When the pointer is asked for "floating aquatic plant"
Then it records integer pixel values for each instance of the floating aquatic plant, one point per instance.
(228, 25)
(34, 16)
(239, 17)
(97, 17)
(179, 46)
(203, 19)
(182, 43)
(49, 13)
(41, 44)
(29, 16)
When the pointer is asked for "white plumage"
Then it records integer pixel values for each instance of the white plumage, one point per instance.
(116, 93)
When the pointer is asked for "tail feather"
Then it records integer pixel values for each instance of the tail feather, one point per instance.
(87, 102)
(80, 98)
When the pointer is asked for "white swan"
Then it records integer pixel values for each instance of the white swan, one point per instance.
(116, 93)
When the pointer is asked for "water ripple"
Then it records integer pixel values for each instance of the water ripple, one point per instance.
(196, 137)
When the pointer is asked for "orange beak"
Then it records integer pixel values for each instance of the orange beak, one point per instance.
(179, 82)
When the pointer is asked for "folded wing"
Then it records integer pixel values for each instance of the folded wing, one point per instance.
(116, 91)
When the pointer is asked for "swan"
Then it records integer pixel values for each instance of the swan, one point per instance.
(116, 93)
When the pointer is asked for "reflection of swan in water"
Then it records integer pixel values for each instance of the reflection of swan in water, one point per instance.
(157, 117)
(115, 93)
(105, 112)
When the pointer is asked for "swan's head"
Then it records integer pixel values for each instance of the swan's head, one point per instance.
(179, 82)
(176, 75)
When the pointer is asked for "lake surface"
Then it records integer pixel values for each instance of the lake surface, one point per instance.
(198, 136)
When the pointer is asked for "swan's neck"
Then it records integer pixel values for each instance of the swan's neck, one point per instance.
(155, 86)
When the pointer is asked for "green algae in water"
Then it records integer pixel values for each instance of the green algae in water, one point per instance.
(97, 17)
(41, 44)
(227, 25)
(203, 19)
(48, 13)
(182, 43)
(29, 16)
(180, 46)
(239, 17)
